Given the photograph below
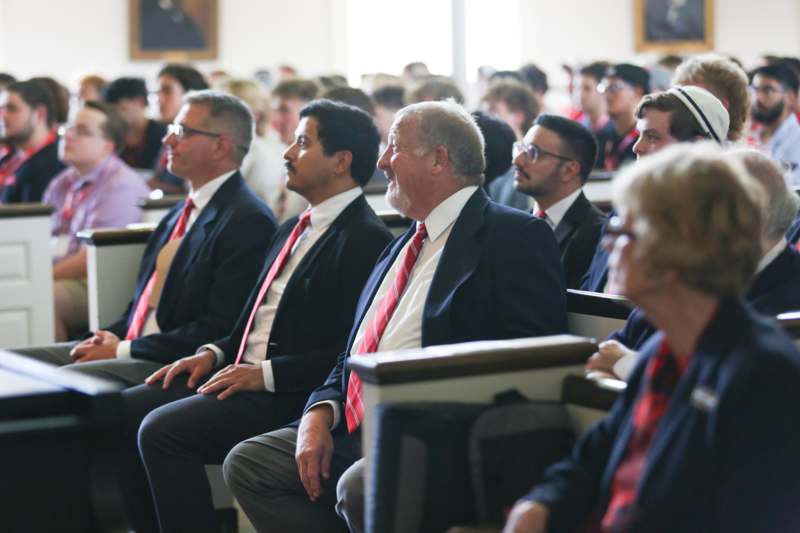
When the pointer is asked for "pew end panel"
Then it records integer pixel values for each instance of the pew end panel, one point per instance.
(595, 315)
(26, 276)
(113, 257)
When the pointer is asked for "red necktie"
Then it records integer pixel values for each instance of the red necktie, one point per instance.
(142, 304)
(354, 407)
(540, 214)
(274, 271)
(797, 246)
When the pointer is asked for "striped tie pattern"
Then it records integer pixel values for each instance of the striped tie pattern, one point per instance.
(354, 406)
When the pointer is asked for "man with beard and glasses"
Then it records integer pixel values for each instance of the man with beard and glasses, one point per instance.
(774, 95)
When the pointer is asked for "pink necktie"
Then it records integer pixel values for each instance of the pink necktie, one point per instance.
(354, 407)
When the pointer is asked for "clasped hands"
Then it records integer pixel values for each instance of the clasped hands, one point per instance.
(102, 345)
(226, 382)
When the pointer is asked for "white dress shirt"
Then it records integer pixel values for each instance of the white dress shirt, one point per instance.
(555, 213)
(200, 197)
(322, 216)
(404, 330)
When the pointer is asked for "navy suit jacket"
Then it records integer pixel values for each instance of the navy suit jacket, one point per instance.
(724, 456)
(33, 177)
(577, 235)
(793, 233)
(774, 290)
(211, 275)
(316, 310)
(499, 277)
(596, 276)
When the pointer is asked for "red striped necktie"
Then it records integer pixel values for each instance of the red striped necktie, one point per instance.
(142, 304)
(354, 407)
(274, 271)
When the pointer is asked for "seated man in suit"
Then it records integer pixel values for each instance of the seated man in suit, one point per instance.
(552, 164)
(775, 289)
(469, 269)
(705, 436)
(200, 263)
(680, 114)
(287, 337)
(29, 159)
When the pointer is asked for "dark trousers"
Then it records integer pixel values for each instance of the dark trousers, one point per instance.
(177, 440)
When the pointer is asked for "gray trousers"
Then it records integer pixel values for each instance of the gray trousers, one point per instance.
(262, 474)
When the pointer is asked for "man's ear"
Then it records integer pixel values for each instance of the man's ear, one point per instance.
(441, 159)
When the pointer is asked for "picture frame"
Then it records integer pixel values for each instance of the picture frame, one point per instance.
(673, 26)
(173, 30)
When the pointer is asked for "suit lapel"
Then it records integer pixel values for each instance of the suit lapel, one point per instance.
(572, 220)
(459, 260)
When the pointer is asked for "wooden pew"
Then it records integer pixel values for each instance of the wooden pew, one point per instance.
(791, 323)
(26, 276)
(155, 207)
(595, 315)
(397, 223)
(598, 189)
(375, 193)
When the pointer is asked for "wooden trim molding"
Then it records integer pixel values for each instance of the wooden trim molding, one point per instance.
(165, 202)
(578, 390)
(791, 323)
(598, 304)
(472, 359)
(108, 237)
(25, 210)
(393, 219)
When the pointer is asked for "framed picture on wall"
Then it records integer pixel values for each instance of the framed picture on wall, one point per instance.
(173, 30)
(674, 26)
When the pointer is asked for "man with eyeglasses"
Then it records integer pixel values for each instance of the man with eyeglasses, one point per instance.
(623, 87)
(97, 190)
(552, 163)
(774, 97)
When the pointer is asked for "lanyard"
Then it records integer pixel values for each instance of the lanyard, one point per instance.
(613, 157)
(75, 197)
(7, 173)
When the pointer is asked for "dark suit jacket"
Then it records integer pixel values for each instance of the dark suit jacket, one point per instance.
(724, 456)
(774, 290)
(577, 235)
(499, 277)
(33, 177)
(211, 275)
(793, 233)
(596, 276)
(316, 310)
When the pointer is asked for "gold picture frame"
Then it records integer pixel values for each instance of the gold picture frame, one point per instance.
(673, 26)
(173, 30)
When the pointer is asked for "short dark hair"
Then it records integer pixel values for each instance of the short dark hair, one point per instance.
(596, 70)
(390, 96)
(186, 75)
(506, 75)
(499, 141)
(517, 96)
(535, 77)
(114, 128)
(127, 88)
(578, 142)
(352, 96)
(435, 89)
(345, 127)
(781, 72)
(682, 124)
(6, 79)
(301, 89)
(60, 97)
(35, 94)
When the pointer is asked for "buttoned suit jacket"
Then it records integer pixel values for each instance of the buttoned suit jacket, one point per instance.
(578, 234)
(211, 274)
(314, 315)
(499, 277)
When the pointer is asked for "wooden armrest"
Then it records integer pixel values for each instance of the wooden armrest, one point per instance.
(596, 394)
(393, 219)
(164, 202)
(601, 175)
(133, 234)
(25, 210)
(791, 323)
(598, 304)
(472, 358)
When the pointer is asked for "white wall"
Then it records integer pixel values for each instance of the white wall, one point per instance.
(75, 37)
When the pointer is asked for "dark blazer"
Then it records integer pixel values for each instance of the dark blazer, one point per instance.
(577, 235)
(33, 177)
(793, 233)
(724, 456)
(774, 290)
(211, 275)
(596, 276)
(316, 310)
(499, 277)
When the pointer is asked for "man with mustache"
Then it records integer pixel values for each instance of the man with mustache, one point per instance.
(774, 96)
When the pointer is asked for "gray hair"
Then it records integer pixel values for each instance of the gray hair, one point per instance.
(449, 125)
(229, 114)
(783, 203)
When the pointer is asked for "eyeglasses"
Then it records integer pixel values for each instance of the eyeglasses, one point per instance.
(533, 152)
(181, 132)
(614, 231)
(767, 90)
(612, 87)
(79, 131)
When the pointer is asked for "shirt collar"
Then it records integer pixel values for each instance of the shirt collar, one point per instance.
(771, 255)
(444, 214)
(324, 213)
(203, 195)
(555, 213)
(786, 127)
(77, 181)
